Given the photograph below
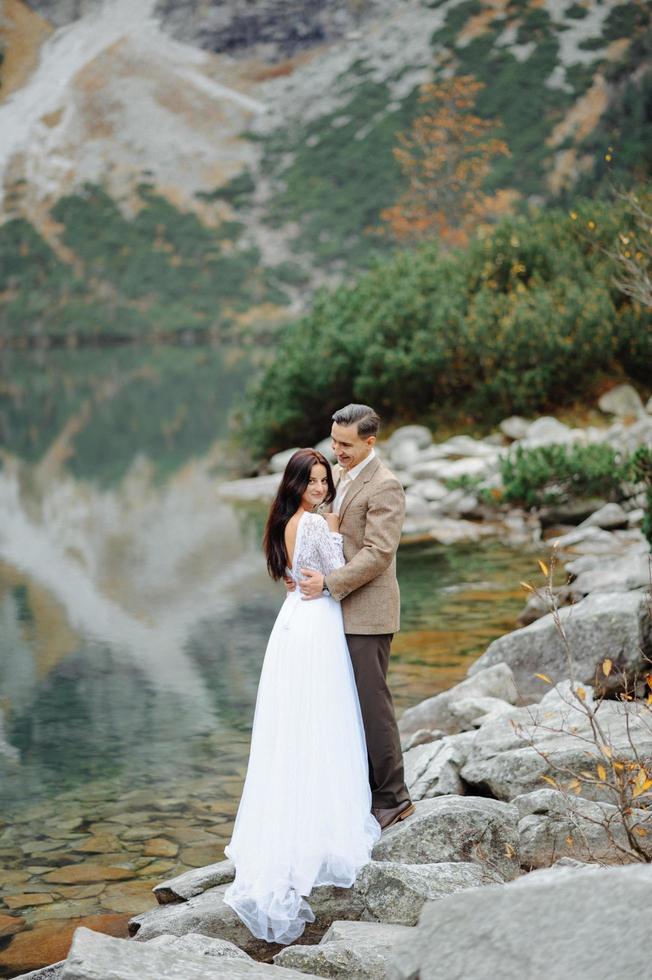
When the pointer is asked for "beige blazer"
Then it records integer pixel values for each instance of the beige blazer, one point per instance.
(371, 519)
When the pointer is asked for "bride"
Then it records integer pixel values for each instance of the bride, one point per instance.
(304, 817)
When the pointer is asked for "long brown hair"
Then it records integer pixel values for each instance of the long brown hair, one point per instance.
(286, 503)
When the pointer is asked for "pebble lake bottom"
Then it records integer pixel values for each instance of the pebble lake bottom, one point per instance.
(136, 783)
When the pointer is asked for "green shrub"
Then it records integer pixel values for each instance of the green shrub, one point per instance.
(523, 321)
(640, 471)
(550, 474)
(556, 473)
(577, 11)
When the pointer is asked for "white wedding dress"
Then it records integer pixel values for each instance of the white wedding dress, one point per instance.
(305, 813)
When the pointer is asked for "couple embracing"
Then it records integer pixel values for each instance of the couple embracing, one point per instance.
(325, 773)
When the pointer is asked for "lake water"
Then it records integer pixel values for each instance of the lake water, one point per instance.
(134, 613)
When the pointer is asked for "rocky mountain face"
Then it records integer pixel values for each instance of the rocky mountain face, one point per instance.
(273, 124)
(277, 28)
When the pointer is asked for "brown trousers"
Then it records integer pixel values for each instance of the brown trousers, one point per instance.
(370, 659)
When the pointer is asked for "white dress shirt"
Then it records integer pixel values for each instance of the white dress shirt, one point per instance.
(346, 479)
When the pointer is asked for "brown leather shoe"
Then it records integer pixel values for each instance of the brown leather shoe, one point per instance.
(387, 817)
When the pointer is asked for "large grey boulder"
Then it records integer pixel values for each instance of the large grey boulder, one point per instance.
(350, 950)
(429, 489)
(632, 571)
(279, 461)
(623, 400)
(455, 828)
(194, 882)
(455, 502)
(555, 825)
(463, 446)
(410, 433)
(627, 438)
(453, 469)
(433, 769)
(450, 530)
(548, 925)
(547, 430)
(396, 892)
(612, 625)
(96, 956)
(554, 739)
(416, 506)
(473, 712)
(208, 915)
(325, 446)
(514, 427)
(592, 541)
(497, 681)
(250, 488)
(205, 913)
(609, 517)
(405, 453)
(420, 737)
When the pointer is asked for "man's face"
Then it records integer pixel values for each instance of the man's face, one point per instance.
(348, 446)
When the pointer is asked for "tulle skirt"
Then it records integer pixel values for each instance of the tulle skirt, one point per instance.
(305, 813)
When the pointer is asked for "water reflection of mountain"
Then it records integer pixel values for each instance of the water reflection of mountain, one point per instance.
(96, 409)
(229, 653)
(133, 621)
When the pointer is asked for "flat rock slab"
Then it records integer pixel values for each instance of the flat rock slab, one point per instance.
(511, 757)
(433, 769)
(625, 574)
(455, 828)
(194, 882)
(614, 625)
(553, 825)
(496, 681)
(349, 950)
(396, 892)
(208, 915)
(95, 956)
(548, 925)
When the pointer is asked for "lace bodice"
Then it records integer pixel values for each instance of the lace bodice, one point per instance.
(316, 546)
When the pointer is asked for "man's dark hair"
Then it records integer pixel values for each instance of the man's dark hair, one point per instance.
(367, 420)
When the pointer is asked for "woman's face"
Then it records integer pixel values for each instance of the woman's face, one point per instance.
(317, 488)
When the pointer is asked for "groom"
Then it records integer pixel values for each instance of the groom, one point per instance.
(371, 505)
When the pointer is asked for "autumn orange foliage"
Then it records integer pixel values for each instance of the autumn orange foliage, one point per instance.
(446, 158)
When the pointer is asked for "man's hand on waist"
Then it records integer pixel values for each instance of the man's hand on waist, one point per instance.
(312, 584)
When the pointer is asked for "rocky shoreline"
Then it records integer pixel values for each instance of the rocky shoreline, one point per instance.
(532, 778)
(450, 516)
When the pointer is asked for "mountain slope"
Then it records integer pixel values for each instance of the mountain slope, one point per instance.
(269, 131)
